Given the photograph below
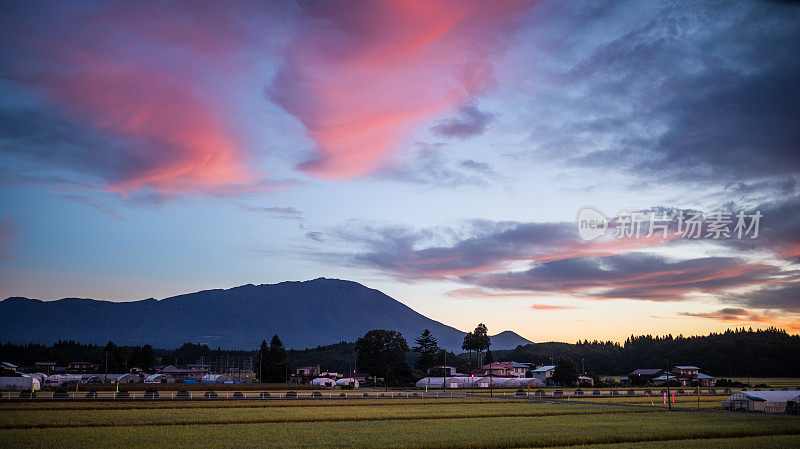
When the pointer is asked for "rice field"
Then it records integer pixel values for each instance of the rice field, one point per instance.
(791, 383)
(657, 401)
(384, 423)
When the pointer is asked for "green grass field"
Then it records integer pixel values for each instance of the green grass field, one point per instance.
(690, 402)
(792, 383)
(383, 423)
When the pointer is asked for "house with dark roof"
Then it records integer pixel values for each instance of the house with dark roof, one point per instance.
(305, 374)
(8, 368)
(82, 367)
(685, 376)
(644, 376)
(689, 376)
(502, 369)
(178, 374)
(45, 367)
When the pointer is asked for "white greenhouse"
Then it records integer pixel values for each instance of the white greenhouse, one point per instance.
(479, 382)
(764, 401)
(323, 382)
(24, 383)
(347, 382)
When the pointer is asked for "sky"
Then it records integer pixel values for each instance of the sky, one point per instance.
(439, 151)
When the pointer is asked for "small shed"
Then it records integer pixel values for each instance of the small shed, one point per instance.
(8, 368)
(764, 401)
(323, 382)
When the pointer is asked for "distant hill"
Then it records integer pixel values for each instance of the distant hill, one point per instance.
(304, 314)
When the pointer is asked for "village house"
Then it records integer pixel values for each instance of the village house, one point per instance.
(683, 375)
(182, 374)
(7, 368)
(82, 367)
(644, 376)
(305, 374)
(45, 367)
(502, 369)
(688, 376)
(544, 373)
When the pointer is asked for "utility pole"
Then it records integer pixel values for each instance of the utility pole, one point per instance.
(444, 382)
(491, 382)
(698, 396)
(669, 396)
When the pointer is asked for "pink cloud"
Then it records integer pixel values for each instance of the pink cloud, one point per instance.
(480, 293)
(144, 77)
(550, 307)
(181, 144)
(743, 316)
(362, 76)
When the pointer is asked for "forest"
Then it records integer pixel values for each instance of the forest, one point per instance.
(739, 352)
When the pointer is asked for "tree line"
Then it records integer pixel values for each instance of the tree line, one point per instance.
(734, 353)
(768, 352)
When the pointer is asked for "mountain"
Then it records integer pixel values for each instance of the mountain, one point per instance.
(304, 314)
(506, 340)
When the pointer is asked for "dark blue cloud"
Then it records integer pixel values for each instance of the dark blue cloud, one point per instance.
(469, 122)
(706, 92)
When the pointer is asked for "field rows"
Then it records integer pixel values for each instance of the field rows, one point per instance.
(759, 442)
(233, 403)
(95, 418)
(387, 423)
(473, 432)
(706, 402)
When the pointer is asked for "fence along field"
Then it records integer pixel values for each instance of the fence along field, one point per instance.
(400, 423)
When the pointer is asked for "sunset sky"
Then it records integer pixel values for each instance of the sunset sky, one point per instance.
(439, 151)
